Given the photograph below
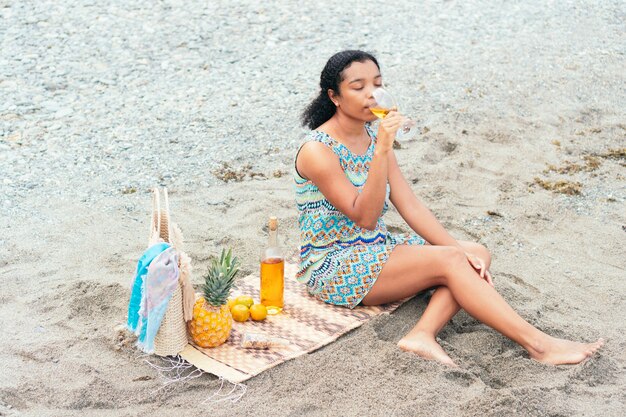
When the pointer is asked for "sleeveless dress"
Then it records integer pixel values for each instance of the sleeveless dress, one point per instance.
(340, 261)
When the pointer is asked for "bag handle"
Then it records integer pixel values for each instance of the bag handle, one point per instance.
(164, 224)
(155, 221)
(160, 224)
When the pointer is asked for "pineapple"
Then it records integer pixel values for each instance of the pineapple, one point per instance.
(212, 320)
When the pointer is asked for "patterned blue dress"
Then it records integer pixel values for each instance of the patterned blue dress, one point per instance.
(340, 261)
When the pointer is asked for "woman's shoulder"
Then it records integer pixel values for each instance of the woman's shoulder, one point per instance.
(318, 142)
(321, 137)
(317, 146)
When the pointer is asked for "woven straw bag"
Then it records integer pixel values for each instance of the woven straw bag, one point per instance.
(172, 335)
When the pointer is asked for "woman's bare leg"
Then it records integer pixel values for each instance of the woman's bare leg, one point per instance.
(441, 308)
(411, 269)
(422, 339)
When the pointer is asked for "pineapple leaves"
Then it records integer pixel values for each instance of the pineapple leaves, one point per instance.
(220, 278)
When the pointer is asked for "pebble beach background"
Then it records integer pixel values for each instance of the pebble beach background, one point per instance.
(523, 148)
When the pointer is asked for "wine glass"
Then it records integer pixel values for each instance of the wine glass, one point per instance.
(384, 104)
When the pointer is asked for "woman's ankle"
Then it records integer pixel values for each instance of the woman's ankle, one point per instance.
(537, 346)
(422, 332)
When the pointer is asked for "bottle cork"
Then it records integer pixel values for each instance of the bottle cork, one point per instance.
(273, 223)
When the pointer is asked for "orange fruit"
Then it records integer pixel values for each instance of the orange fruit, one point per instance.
(240, 312)
(231, 303)
(244, 300)
(258, 312)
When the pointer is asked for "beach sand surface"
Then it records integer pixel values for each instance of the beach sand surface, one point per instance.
(521, 108)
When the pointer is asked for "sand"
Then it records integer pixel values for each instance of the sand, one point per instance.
(520, 110)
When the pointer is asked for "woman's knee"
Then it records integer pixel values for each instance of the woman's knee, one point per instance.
(453, 257)
(479, 250)
(486, 255)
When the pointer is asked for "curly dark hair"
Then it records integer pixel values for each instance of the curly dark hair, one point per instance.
(322, 108)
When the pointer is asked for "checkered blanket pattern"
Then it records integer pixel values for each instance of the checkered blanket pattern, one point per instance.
(305, 322)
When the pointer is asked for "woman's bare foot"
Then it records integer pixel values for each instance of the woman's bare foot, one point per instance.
(424, 345)
(555, 351)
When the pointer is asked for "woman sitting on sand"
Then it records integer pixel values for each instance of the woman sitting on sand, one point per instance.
(344, 174)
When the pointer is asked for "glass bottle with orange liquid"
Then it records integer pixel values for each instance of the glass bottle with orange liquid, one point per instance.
(272, 271)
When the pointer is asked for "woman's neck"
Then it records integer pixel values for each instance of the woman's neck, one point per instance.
(348, 129)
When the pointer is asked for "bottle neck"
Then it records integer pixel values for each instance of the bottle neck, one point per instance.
(273, 239)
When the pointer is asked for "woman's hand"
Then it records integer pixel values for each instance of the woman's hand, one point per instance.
(479, 265)
(387, 130)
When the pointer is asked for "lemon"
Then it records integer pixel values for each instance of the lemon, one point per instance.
(240, 312)
(244, 300)
(231, 303)
(258, 312)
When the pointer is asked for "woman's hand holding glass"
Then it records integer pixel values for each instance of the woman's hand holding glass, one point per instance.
(383, 106)
(388, 129)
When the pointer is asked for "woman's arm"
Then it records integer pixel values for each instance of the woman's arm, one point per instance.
(319, 164)
(422, 220)
(413, 211)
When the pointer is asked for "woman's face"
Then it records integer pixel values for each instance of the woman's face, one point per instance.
(355, 90)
